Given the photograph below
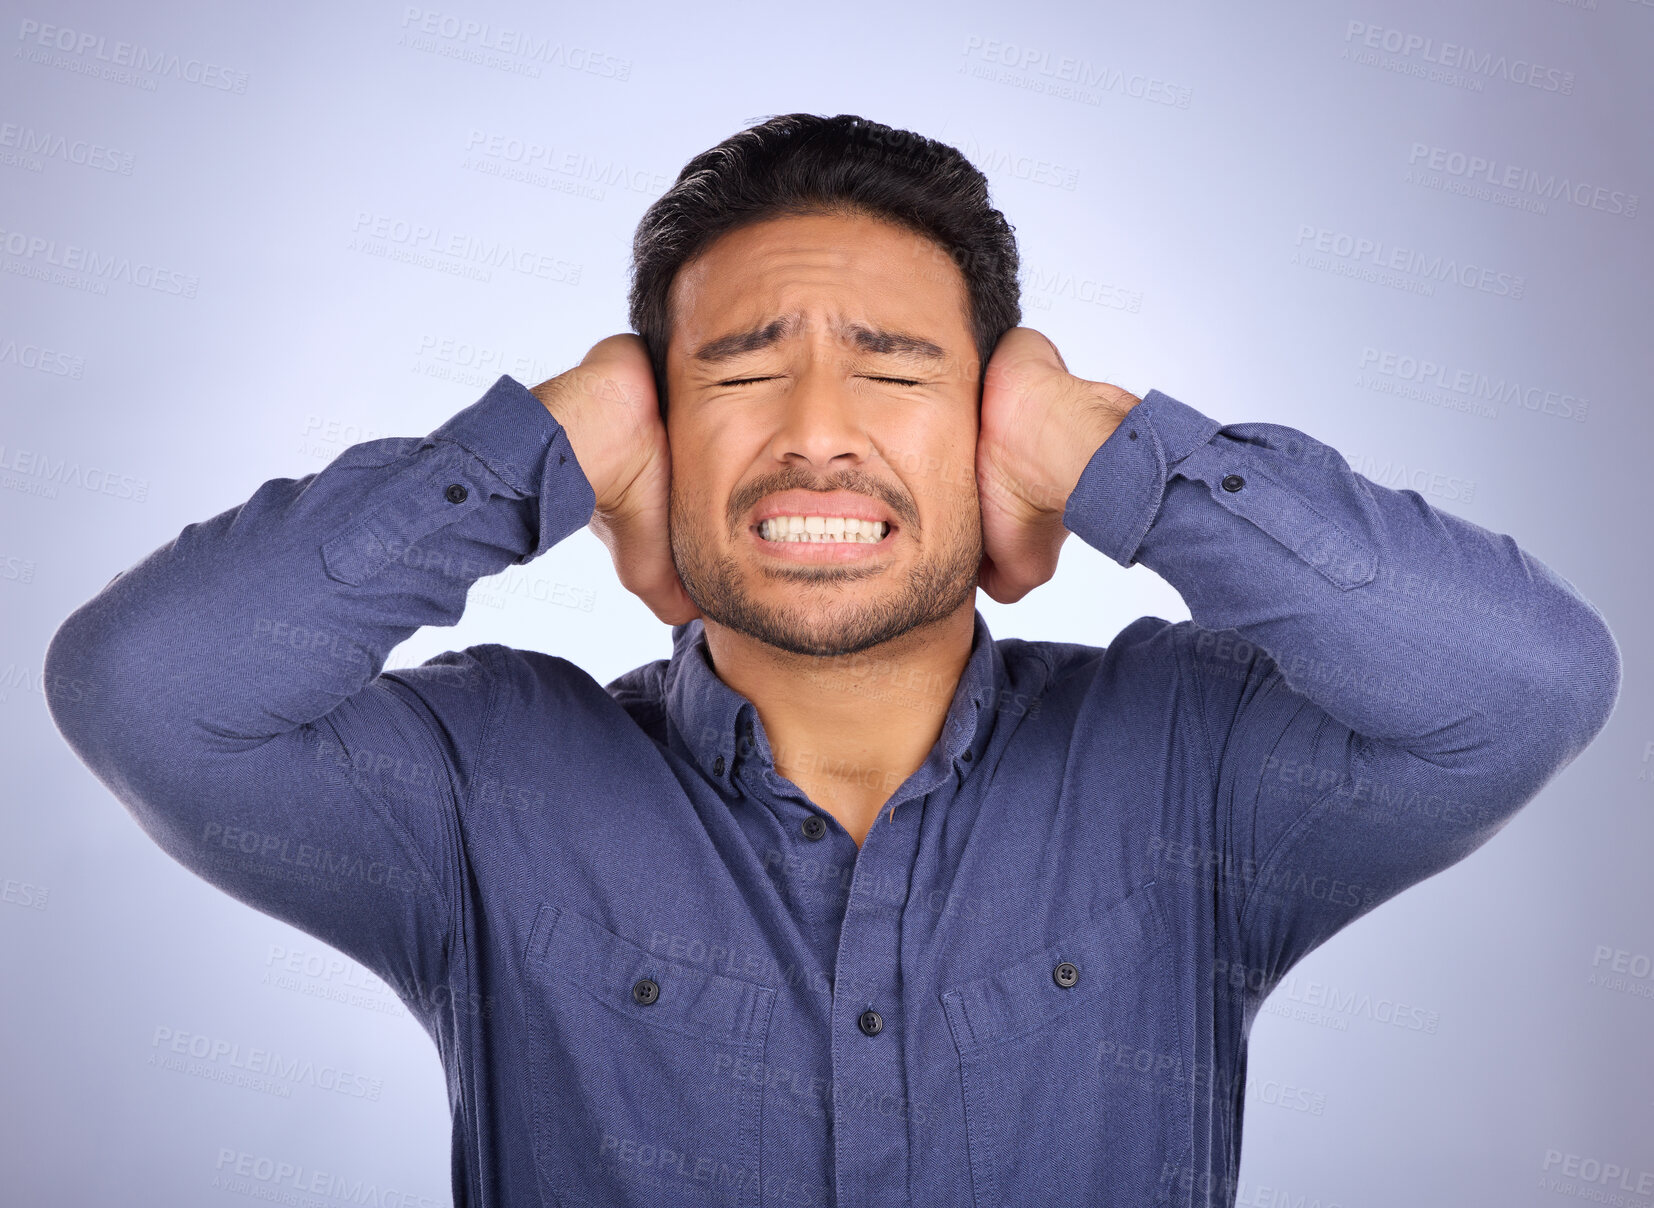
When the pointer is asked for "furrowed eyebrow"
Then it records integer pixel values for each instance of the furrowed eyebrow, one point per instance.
(896, 344)
(739, 343)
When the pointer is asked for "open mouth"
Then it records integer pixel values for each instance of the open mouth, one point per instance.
(823, 538)
(823, 530)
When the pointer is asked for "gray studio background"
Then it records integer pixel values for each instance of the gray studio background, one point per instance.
(1304, 214)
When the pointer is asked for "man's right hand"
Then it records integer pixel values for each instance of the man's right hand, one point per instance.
(608, 407)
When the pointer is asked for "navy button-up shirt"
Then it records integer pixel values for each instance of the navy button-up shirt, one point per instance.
(657, 974)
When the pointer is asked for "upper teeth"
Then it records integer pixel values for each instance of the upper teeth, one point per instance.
(822, 528)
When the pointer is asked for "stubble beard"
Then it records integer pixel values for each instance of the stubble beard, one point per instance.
(820, 618)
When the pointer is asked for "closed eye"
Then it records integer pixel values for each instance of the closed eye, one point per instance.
(894, 381)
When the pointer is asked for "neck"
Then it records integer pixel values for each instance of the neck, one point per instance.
(849, 729)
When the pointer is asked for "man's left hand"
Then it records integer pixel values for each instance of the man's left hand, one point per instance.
(1040, 426)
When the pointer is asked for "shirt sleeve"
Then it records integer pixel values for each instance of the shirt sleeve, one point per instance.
(1380, 684)
(227, 688)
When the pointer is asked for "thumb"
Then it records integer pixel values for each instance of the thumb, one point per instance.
(1056, 353)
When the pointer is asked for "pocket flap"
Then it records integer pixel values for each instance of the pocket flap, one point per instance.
(1024, 995)
(694, 1001)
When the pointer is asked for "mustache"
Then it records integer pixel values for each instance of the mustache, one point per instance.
(853, 481)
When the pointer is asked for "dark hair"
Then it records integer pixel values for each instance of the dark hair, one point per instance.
(803, 163)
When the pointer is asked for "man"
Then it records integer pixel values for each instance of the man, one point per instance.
(846, 902)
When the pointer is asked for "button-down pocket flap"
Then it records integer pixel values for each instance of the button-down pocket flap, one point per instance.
(414, 506)
(1024, 996)
(694, 1001)
(1342, 558)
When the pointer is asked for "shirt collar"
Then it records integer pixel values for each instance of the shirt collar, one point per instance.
(718, 728)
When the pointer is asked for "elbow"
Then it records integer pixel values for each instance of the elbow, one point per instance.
(79, 676)
(110, 715)
(1572, 691)
(1597, 679)
(59, 679)
(66, 680)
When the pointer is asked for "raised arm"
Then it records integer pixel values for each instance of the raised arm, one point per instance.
(1381, 684)
(228, 690)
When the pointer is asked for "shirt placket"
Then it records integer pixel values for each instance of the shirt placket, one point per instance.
(868, 1128)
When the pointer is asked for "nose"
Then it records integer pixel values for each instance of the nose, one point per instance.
(821, 421)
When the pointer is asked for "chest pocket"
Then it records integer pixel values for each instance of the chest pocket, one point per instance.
(640, 1070)
(1076, 1081)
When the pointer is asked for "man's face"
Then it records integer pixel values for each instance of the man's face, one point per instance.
(823, 366)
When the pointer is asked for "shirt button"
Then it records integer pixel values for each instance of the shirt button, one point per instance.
(456, 492)
(1233, 482)
(870, 1023)
(1065, 974)
(967, 757)
(813, 827)
(718, 766)
(645, 990)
